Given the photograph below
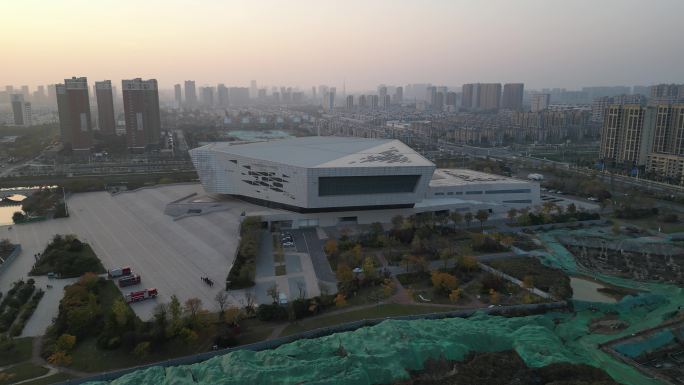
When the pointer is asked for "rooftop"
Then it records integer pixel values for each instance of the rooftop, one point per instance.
(458, 177)
(327, 151)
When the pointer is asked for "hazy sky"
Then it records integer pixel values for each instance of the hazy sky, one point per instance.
(543, 43)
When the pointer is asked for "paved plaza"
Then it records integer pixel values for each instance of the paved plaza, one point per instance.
(131, 229)
(171, 254)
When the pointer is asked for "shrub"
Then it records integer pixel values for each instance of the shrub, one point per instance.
(241, 275)
(272, 312)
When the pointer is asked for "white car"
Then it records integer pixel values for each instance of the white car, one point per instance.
(593, 199)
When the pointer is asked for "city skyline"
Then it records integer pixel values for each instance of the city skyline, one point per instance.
(309, 43)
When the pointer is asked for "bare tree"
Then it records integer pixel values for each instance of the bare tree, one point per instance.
(249, 299)
(301, 287)
(221, 300)
(273, 292)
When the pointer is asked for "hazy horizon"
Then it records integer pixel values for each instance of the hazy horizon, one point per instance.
(544, 44)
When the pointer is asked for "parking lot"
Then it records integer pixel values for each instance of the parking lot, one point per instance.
(131, 229)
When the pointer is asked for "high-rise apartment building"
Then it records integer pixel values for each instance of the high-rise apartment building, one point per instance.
(382, 92)
(481, 96)
(387, 101)
(667, 93)
(207, 96)
(190, 93)
(513, 96)
(362, 101)
(28, 114)
(253, 89)
(17, 101)
(399, 95)
(627, 135)
(373, 101)
(467, 95)
(451, 98)
(178, 95)
(600, 104)
(141, 110)
(350, 102)
(222, 95)
(490, 96)
(106, 121)
(73, 105)
(540, 102)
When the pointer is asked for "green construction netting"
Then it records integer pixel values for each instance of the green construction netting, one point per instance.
(637, 348)
(383, 353)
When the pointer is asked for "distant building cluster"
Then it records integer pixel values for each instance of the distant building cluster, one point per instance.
(646, 137)
(141, 111)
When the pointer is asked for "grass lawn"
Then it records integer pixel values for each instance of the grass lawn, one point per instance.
(88, 358)
(20, 352)
(59, 377)
(21, 372)
(254, 331)
(60, 261)
(380, 311)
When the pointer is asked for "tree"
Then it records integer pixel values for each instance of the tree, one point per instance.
(528, 282)
(468, 217)
(176, 311)
(65, 342)
(18, 216)
(59, 358)
(455, 295)
(344, 274)
(416, 244)
(121, 312)
(221, 299)
(330, 247)
(369, 268)
(511, 214)
(357, 253)
(193, 306)
(482, 216)
(233, 315)
(494, 296)
(445, 255)
(443, 283)
(273, 292)
(388, 287)
(397, 221)
(249, 302)
(340, 300)
(142, 349)
(456, 218)
(467, 263)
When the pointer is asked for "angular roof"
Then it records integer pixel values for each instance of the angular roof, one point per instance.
(326, 151)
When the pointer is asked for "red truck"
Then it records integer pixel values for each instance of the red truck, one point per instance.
(129, 281)
(120, 272)
(141, 295)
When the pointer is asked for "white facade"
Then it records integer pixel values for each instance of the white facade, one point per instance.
(335, 174)
(315, 173)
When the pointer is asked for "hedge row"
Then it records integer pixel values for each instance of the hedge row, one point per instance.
(26, 312)
(241, 275)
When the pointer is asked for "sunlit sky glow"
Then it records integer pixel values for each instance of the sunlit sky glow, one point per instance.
(543, 43)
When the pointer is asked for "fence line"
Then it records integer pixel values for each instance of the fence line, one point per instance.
(317, 333)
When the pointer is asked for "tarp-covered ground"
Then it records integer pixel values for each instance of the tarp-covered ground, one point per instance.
(383, 353)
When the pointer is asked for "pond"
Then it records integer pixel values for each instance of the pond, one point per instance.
(587, 290)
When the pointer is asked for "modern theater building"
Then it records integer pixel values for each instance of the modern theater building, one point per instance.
(326, 180)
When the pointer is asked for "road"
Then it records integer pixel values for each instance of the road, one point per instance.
(307, 241)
